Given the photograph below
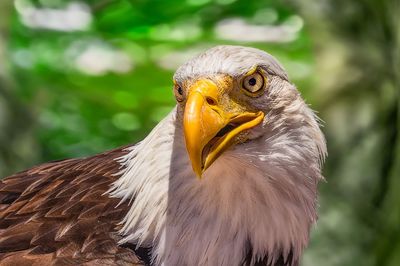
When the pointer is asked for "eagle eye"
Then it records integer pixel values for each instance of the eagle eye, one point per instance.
(253, 83)
(179, 93)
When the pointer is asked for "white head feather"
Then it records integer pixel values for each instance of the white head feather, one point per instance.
(258, 199)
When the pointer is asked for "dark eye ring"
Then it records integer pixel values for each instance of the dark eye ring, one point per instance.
(179, 90)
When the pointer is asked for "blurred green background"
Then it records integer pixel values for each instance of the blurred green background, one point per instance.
(80, 77)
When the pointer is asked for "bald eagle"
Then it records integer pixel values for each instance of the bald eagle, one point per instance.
(228, 177)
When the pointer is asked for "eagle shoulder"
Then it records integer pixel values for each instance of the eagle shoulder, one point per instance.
(59, 213)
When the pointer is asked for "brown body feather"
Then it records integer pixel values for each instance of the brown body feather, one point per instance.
(57, 213)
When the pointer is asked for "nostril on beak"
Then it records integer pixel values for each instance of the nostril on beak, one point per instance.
(211, 101)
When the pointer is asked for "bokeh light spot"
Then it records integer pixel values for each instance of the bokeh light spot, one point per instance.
(126, 121)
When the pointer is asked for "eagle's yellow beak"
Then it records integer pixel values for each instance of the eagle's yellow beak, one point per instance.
(209, 129)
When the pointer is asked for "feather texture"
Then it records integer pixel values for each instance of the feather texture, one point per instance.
(57, 213)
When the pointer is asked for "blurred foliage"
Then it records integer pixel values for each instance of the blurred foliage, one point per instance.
(82, 106)
(357, 47)
(80, 77)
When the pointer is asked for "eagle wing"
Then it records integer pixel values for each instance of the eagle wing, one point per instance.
(58, 213)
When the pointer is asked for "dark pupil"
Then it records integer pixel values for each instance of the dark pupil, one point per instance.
(252, 81)
(180, 91)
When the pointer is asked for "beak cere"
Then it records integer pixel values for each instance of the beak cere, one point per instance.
(208, 129)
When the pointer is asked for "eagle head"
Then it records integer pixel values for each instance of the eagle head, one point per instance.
(231, 95)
